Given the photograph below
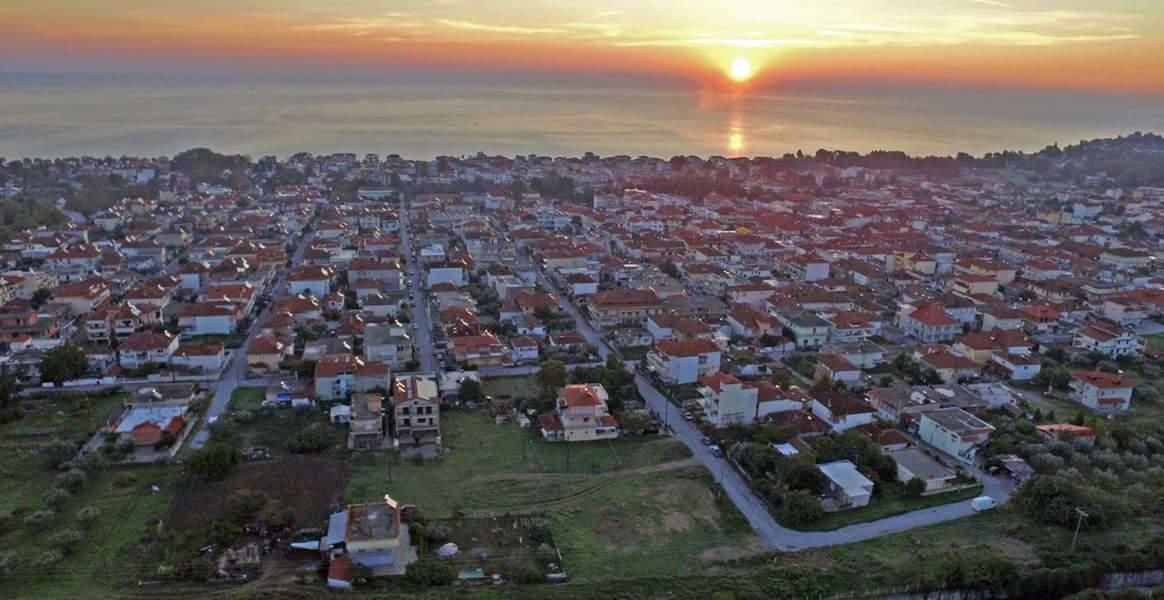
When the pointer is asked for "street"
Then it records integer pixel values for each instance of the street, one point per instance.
(421, 319)
(751, 506)
(233, 376)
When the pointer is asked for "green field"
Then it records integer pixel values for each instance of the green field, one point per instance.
(623, 508)
(247, 398)
(102, 561)
(513, 387)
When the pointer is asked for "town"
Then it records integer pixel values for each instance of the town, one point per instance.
(768, 377)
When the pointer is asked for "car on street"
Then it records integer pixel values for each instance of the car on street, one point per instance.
(716, 451)
(707, 441)
(688, 415)
(982, 503)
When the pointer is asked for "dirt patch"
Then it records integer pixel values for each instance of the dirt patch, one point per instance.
(1015, 550)
(311, 486)
(616, 529)
(735, 552)
(689, 498)
(808, 560)
(676, 521)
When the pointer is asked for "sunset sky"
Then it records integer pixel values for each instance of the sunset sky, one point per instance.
(1109, 45)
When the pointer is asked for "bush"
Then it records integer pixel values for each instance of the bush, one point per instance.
(7, 563)
(57, 452)
(244, 505)
(55, 497)
(313, 438)
(88, 515)
(798, 508)
(915, 487)
(215, 462)
(429, 573)
(123, 480)
(199, 568)
(438, 534)
(38, 518)
(72, 480)
(48, 559)
(65, 540)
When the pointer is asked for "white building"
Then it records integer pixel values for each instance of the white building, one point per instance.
(955, 432)
(846, 484)
(726, 400)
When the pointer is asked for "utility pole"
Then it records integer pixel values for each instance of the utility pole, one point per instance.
(1078, 524)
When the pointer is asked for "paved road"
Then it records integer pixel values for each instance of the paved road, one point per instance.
(422, 332)
(234, 376)
(754, 510)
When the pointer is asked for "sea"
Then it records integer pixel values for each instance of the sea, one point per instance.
(96, 116)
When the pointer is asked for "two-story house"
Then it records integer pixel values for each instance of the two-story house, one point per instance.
(580, 414)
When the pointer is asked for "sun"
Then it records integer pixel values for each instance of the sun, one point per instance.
(740, 69)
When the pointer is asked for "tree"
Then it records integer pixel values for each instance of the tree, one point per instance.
(633, 422)
(915, 487)
(544, 313)
(63, 363)
(470, 391)
(316, 437)
(552, 377)
(798, 508)
(65, 540)
(215, 461)
(40, 296)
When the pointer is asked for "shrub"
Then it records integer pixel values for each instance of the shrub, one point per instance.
(38, 518)
(313, 438)
(915, 487)
(215, 462)
(199, 568)
(244, 505)
(123, 480)
(55, 497)
(87, 515)
(72, 480)
(48, 559)
(65, 540)
(798, 508)
(57, 452)
(429, 573)
(438, 534)
(7, 563)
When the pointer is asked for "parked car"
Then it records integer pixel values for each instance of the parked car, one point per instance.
(688, 416)
(982, 503)
(707, 441)
(716, 451)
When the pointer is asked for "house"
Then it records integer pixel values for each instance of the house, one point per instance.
(484, 350)
(292, 394)
(416, 411)
(840, 410)
(805, 327)
(929, 323)
(683, 361)
(266, 352)
(1015, 367)
(846, 484)
(771, 399)
(369, 535)
(979, 347)
(147, 425)
(207, 358)
(950, 367)
(451, 272)
(311, 280)
(146, 347)
(1101, 392)
(366, 422)
(954, 431)
(863, 354)
(1107, 339)
(623, 307)
(209, 318)
(748, 322)
(838, 369)
(525, 349)
(387, 342)
(1065, 431)
(580, 415)
(82, 296)
(912, 463)
(337, 376)
(726, 400)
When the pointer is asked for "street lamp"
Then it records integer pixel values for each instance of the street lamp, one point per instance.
(1078, 523)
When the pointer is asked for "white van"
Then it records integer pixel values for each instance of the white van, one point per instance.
(982, 503)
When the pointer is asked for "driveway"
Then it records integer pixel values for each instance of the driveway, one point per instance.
(749, 504)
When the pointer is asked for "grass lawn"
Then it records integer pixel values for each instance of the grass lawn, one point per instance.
(609, 514)
(1155, 342)
(247, 398)
(513, 387)
(234, 340)
(880, 508)
(105, 560)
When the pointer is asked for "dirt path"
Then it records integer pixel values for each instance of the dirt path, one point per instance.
(601, 482)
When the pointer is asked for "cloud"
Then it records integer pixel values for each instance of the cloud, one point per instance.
(506, 29)
(994, 3)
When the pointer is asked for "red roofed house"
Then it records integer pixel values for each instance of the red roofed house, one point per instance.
(580, 415)
(1102, 392)
(484, 350)
(149, 433)
(266, 352)
(726, 400)
(147, 347)
(930, 323)
(683, 361)
(837, 368)
(621, 307)
(336, 376)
